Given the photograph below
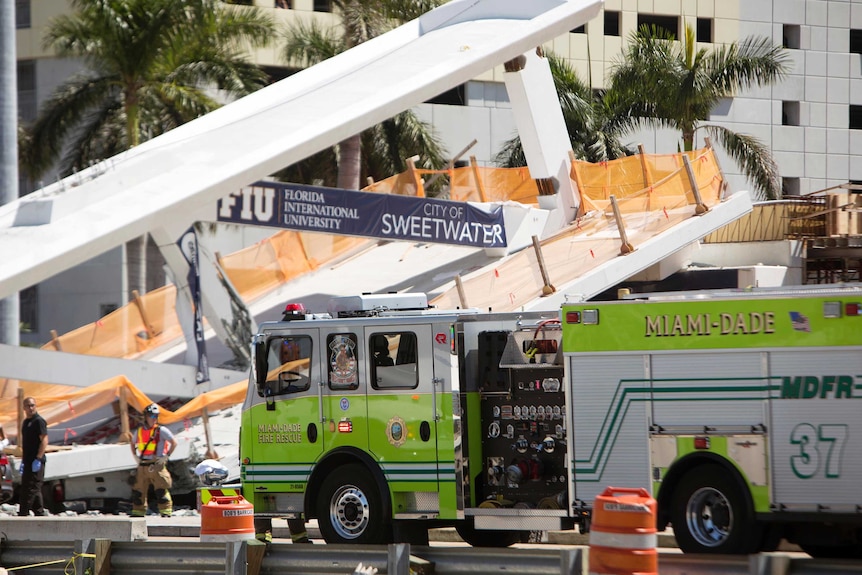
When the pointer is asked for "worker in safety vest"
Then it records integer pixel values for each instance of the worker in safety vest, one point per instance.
(151, 447)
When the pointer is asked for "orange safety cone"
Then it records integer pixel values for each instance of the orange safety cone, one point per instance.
(622, 533)
(229, 518)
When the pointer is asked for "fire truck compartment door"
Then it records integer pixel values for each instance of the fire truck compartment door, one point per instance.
(403, 405)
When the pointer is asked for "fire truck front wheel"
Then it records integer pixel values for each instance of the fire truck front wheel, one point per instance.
(350, 508)
(711, 514)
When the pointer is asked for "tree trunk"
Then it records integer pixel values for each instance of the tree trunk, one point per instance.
(349, 163)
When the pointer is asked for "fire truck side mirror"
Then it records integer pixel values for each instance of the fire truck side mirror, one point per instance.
(260, 365)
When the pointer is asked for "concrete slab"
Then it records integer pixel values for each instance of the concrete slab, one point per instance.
(73, 528)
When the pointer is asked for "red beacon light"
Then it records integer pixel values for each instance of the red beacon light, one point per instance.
(293, 311)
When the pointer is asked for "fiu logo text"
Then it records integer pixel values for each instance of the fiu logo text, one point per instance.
(252, 204)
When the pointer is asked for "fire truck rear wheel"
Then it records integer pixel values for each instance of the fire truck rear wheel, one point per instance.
(710, 514)
(350, 508)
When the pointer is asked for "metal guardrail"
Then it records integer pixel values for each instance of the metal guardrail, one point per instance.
(103, 557)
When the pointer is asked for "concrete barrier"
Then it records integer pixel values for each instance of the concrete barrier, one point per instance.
(66, 528)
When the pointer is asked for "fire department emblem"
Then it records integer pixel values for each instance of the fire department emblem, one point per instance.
(342, 360)
(396, 431)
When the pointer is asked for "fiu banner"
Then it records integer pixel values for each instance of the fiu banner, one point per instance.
(351, 213)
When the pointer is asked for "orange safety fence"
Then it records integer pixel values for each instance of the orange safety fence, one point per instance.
(593, 239)
(467, 184)
(59, 404)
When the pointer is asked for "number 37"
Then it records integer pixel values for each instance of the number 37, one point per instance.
(821, 445)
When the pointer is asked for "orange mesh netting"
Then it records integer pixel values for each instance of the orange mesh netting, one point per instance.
(593, 239)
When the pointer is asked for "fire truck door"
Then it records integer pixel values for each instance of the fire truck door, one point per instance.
(342, 389)
(286, 417)
(403, 404)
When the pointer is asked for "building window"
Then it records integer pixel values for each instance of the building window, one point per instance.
(792, 36)
(28, 308)
(789, 113)
(790, 186)
(855, 117)
(322, 6)
(704, 30)
(612, 23)
(582, 29)
(22, 13)
(26, 74)
(667, 23)
(856, 41)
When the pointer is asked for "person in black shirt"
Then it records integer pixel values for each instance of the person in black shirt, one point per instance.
(34, 441)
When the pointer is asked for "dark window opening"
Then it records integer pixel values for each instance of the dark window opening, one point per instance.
(668, 23)
(288, 365)
(26, 75)
(704, 30)
(28, 308)
(856, 41)
(612, 23)
(322, 6)
(790, 186)
(792, 36)
(790, 114)
(22, 14)
(582, 29)
(855, 117)
(457, 96)
(393, 360)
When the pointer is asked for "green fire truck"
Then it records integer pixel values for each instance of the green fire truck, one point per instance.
(739, 411)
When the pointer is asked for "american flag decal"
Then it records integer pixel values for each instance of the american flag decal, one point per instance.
(799, 322)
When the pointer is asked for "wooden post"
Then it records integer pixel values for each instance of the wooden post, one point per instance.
(644, 166)
(700, 208)
(411, 168)
(547, 289)
(102, 551)
(211, 452)
(462, 295)
(151, 333)
(55, 340)
(125, 432)
(626, 248)
(478, 179)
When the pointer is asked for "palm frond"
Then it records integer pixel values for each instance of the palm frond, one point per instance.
(753, 157)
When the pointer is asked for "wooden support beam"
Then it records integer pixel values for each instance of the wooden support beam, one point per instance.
(625, 247)
(700, 208)
(548, 288)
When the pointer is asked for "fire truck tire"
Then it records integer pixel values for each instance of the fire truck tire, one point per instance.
(485, 538)
(711, 514)
(350, 508)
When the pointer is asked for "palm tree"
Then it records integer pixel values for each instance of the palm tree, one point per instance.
(672, 84)
(594, 130)
(386, 144)
(150, 66)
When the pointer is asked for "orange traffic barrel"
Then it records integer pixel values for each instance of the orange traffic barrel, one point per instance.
(229, 518)
(622, 533)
